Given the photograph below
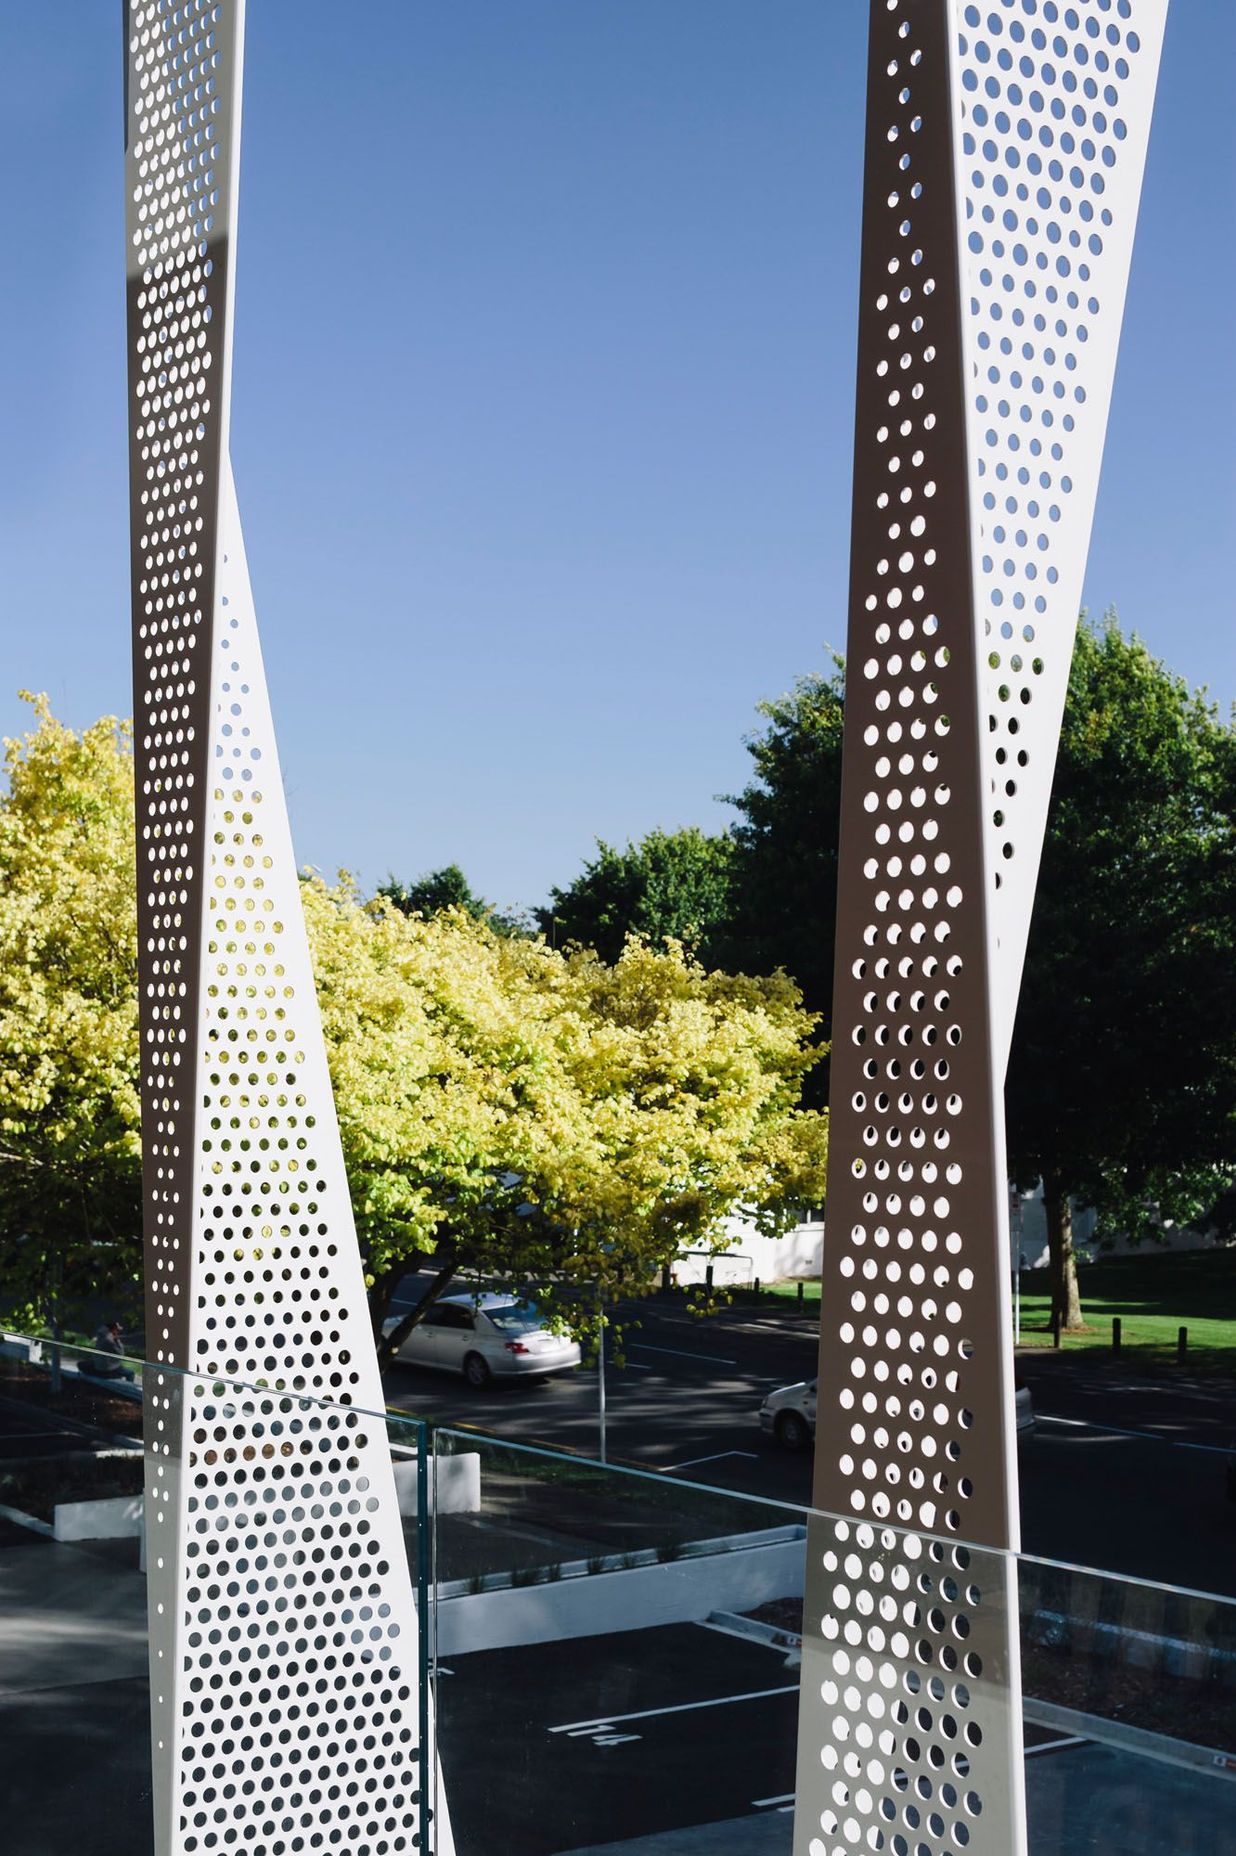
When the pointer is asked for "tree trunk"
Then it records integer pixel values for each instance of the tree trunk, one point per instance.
(1062, 1264)
(383, 1290)
(389, 1345)
(53, 1322)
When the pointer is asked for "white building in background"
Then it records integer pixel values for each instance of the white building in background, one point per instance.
(752, 1257)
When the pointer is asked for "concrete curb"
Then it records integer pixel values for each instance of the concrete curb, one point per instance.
(29, 1521)
(734, 1624)
(1126, 1739)
(75, 1456)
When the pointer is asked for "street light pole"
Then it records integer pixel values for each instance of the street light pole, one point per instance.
(606, 1250)
(601, 1369)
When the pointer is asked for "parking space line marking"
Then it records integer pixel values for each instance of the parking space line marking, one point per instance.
(1054, 1746)
(681, 1707)
(711, 1359)
(1152, 1437)
(781, 1798)
(667, 1469)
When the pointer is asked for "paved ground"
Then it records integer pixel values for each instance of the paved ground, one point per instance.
(767, 1835)
(1083, 1801)
(74, 1715)
(1091, 1800)
(667, 1742)
(1123, 1472)
(578, 1730)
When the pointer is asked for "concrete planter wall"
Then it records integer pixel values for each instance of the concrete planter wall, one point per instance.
(116, 1517)
(735, 1575)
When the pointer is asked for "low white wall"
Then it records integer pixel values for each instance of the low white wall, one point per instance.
(680, 1591)
(458, 1483)
(454, 1483)
(116, 1517)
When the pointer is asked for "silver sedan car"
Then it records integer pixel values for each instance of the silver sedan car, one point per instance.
(487, 1337)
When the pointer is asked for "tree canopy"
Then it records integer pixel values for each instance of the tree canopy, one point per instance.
(447, 888)
(1122, 1080)
(785, 845)
(504, 1106)
(671, 886)
(69, 1113)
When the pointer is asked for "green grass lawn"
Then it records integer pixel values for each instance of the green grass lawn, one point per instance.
(1155, 1293)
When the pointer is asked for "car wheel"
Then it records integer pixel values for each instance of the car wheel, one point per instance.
(475, 1371)
(792, 1432)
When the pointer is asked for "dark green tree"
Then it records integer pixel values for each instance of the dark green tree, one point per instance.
(673, 885)
(785, 848)
(448, 888)
(1122, 1081)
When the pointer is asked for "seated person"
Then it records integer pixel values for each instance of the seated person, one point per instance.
(107, 1342)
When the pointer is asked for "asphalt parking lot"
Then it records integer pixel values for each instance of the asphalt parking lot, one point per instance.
(615, 1737)
(609, 1740)
(1119, 1473)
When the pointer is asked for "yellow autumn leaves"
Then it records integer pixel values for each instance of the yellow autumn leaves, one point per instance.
(502, 1104)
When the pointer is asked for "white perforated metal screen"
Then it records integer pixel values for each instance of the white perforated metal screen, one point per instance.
(284, 1653)
(1004, 152)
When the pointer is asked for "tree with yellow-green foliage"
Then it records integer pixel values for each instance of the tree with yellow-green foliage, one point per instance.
(508, 1108)
(505, 1108)
(69, 1119)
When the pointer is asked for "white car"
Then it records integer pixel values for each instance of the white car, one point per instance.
(486, 1337)
(789, 1414)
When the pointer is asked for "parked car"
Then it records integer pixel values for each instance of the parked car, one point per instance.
(789, 1414)
(486, 1336)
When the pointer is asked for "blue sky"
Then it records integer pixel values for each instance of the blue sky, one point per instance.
(543, 399)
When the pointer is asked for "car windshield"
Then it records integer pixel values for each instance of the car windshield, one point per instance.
(517, 1320)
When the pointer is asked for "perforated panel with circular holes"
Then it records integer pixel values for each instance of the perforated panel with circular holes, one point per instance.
(910, 1724)
(1052, 114)
(283, 1632)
